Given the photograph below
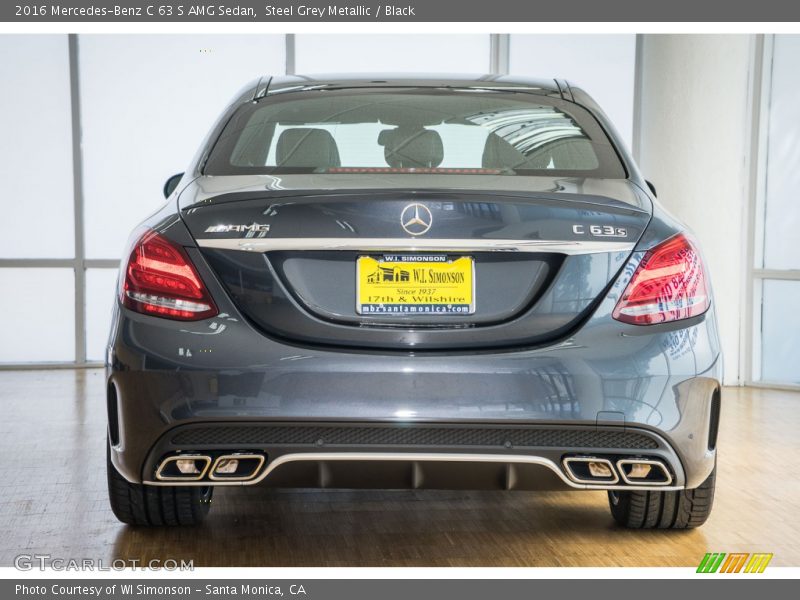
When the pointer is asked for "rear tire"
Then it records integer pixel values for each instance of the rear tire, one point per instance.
(137, 504)
(683, 509)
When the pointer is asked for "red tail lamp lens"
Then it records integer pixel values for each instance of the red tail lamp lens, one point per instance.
(160, 280)
(668, 285)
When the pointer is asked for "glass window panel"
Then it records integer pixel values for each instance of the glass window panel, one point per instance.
(603, 65)
(782, 217)
(780, 322)
(516, 134)
(36, 153)
(147, 102)
(38, 315)
(101, 288)
(319, 53)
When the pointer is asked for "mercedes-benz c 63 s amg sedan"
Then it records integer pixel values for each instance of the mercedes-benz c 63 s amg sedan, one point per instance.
(413, 282)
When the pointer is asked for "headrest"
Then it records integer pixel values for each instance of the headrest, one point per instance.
(307, 147)
(564, 153)
(411, 147)
(499, 154)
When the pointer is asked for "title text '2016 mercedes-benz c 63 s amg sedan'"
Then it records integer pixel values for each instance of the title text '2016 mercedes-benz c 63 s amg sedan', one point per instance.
(418, 282)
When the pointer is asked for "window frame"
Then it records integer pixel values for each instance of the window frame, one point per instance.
(756, 274)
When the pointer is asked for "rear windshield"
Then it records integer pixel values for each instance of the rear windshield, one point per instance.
(413, 131)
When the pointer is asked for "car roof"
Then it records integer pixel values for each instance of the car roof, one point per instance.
(288, 83)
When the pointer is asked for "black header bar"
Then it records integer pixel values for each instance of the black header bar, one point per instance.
(277, 11)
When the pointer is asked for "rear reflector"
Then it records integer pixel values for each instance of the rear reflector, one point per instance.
(160, 280)
(668, 285)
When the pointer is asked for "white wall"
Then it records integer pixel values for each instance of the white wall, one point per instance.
(325, 53)
(37, 167)
(603, 65)
(693, 145)
(37, 318)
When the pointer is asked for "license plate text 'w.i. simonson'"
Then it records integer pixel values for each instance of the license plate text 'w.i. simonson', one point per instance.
(415, 285)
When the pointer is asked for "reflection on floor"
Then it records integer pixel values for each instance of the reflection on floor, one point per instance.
(53, 501)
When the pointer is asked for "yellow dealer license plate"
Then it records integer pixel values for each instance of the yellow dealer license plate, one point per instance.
(415, 285)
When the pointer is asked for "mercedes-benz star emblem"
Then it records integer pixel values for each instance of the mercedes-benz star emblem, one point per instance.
(416, 219)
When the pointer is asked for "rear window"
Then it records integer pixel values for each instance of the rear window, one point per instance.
(413, 131)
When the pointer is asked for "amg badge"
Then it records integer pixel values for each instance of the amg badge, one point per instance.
(252, 228)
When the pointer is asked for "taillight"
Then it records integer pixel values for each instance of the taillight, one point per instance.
(668, 285)
(160, 280)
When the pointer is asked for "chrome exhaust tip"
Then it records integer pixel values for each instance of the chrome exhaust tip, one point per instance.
(590, 469)
(183, 467)
(236, 467)
(644, 471)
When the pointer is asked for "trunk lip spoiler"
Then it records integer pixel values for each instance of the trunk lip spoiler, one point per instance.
(569, 247)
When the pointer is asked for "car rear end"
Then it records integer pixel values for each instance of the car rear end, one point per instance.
(448, 284)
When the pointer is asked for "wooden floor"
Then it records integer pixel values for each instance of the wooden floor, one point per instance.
(53, 501)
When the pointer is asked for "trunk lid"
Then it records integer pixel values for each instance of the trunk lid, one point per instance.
(302, 264)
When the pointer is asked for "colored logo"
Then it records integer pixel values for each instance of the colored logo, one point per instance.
(416, 219)
(736, 562)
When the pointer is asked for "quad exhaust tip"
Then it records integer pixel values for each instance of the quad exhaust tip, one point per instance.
(239, 466)
(243, 466)
(236, 467)
(639, 471)
(632, 471)
(183, 467)
(591, 469)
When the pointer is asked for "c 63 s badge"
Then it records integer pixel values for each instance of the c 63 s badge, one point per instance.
(600, 231)
(249, 229)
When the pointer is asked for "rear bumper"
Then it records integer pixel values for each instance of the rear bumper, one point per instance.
(662, 382)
